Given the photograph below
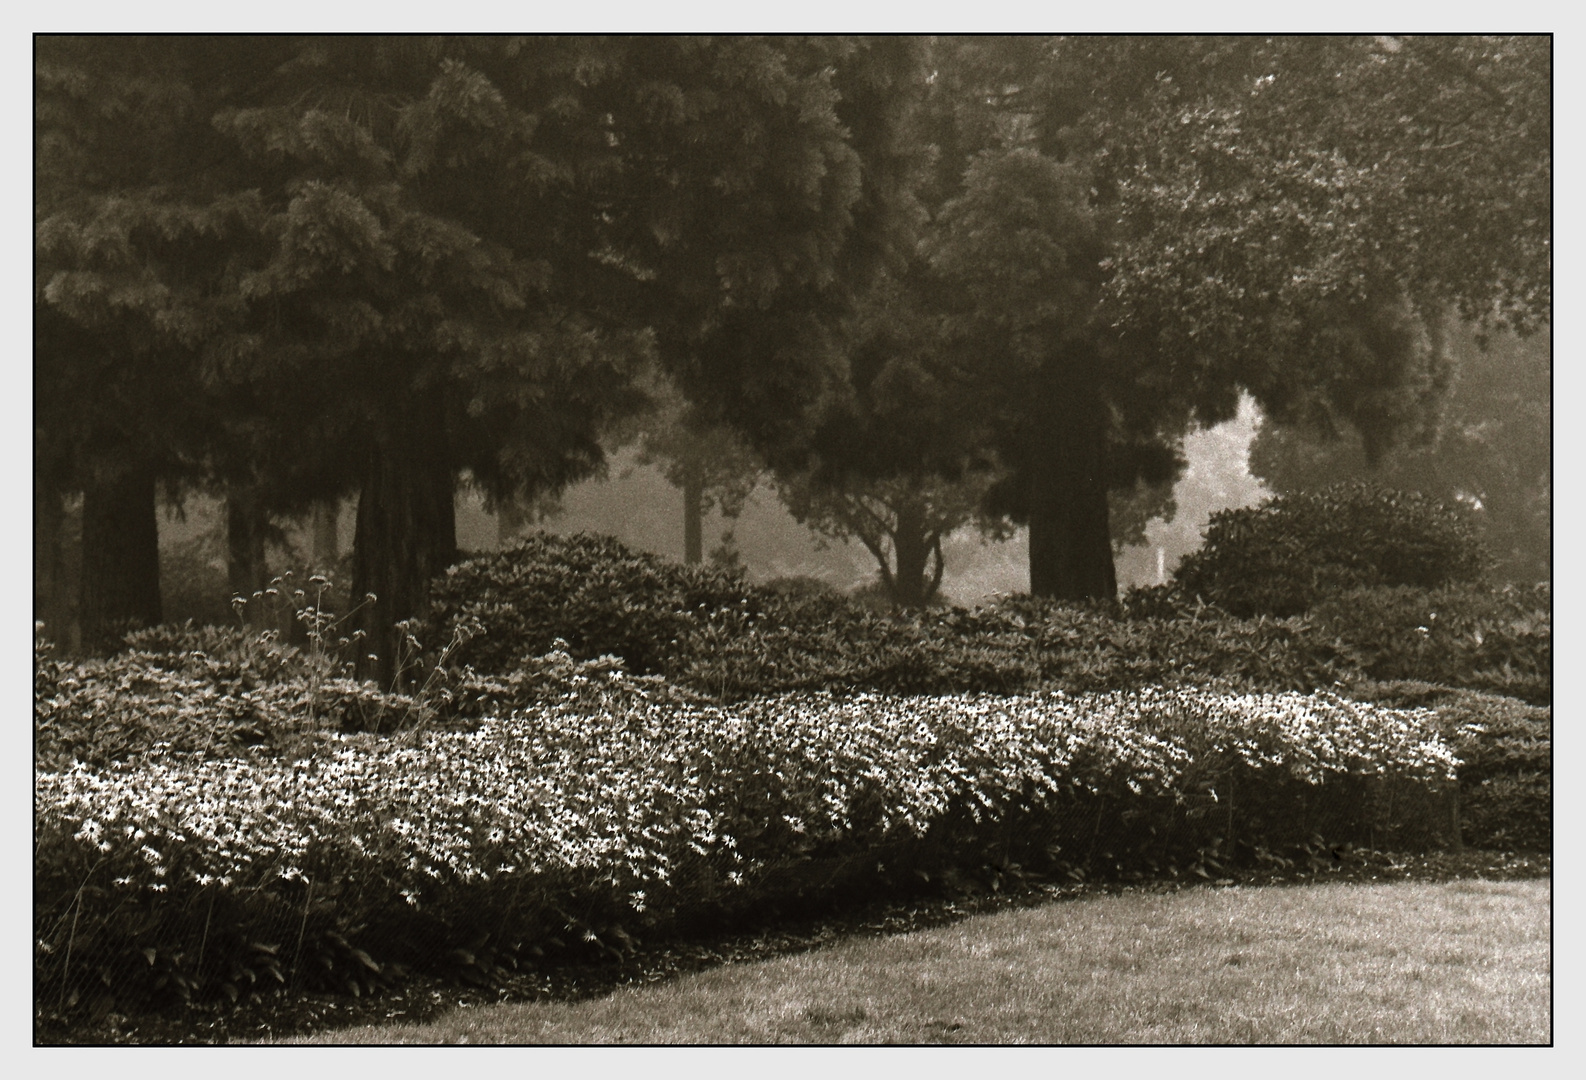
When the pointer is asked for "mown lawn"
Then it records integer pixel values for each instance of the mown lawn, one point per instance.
(1454, 962)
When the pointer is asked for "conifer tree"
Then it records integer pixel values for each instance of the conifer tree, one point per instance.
(373, 262)
(1141, 228)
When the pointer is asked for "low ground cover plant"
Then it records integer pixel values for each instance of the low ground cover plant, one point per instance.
(610, 812)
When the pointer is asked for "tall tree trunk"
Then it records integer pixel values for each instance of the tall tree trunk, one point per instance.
(912, 551)
(49, 563)
(71, 581)
(1070, 542)
(406, 535)
(324, 534)
(246, 570)
(120, 578)
(693, 518)
(509, 522)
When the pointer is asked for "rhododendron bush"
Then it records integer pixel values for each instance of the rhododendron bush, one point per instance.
(617, 805)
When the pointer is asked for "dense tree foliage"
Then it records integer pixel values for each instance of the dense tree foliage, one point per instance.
(292, 268)
(1148, 226)
(380, 260)
(904, 459)
(116, 408)
(1491, 452)
(708, 462)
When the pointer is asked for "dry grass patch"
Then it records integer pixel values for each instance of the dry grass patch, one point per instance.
(1455, 962)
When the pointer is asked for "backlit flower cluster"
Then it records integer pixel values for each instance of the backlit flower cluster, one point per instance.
(629, 796)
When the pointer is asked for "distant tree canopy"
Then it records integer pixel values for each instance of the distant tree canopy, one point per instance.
(905, 457)
(1491, 451)
(1139, 228)
(1118, 236)
(370, 262)
(706, 460)
(294, 267)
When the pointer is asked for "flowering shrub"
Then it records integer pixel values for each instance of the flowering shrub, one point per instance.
(1505, 749)
(1082, 649)
(617, 803)
(834, 643)
(557, 678)
(211, 690)
(1493, 639)
(720, 636)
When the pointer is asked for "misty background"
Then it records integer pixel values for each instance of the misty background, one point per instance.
(635, 503)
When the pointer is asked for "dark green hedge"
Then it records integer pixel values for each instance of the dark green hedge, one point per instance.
(590, 591)
(1506, 751)
(737, 641)
(1294, 550)
(718, 635)
(1477, 637)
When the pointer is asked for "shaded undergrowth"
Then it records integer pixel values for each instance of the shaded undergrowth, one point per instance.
(420, 998)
